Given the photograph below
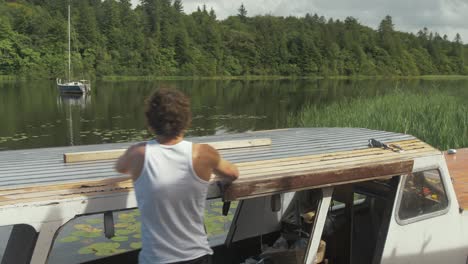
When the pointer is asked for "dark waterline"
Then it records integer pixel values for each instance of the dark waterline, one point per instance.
(34, 114)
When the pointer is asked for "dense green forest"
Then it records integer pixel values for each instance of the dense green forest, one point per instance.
(158, 39)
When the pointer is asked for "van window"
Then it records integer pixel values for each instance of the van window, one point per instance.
(82, 239)
(423, 193)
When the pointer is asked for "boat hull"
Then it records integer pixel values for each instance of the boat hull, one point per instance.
(80, 87)
(72, 89)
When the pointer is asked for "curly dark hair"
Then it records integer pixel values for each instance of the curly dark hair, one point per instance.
(168, 112)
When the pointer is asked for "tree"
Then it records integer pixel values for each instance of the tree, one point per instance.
(457, 39)
(178, 6)
(152, 13)
(242, 12)
(388, 37)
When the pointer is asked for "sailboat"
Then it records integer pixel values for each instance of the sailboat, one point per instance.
(71, 86)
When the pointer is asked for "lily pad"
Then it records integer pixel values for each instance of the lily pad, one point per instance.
(86, 234)
(121, 225)
(124, 232)
(87, 228)
(69, 239)
(104, 253)
(135, 213)
(135, 245)
(126, 218)
(85, 251)
(102, 249)
(94, 221)
(137, 235)
(120, 239)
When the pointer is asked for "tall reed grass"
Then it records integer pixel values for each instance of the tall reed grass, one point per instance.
(436, 118)
(8, 77)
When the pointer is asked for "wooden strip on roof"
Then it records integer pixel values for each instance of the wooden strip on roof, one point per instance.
(316, 178)
(114, 154)
(458, 168)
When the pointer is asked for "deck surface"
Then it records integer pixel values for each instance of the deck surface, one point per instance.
(297, 157)
(458, 168)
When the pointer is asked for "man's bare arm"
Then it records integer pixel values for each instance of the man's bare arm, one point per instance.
(131, 162)
(206, 160)
(226, 170)
(122, 164)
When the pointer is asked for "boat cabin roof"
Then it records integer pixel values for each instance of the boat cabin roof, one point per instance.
(296, 159)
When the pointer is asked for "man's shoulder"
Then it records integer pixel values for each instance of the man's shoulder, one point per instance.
(202, 148)
(205, 151)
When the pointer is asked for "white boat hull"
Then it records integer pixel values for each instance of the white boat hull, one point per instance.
(73, 87)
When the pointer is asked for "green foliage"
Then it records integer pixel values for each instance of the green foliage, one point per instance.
(158, 39)
(437, 118)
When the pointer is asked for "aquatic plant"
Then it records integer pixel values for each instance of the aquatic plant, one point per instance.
(69, 239)
(102, 249)
(135, 245)
(435, 117)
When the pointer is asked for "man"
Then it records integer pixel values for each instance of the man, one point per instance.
(171, 178)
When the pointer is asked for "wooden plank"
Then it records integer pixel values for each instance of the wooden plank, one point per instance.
(65, 191)
(410, 151)
(458, 168)
(312, 178)
(114, 154)
(73, 185)
(337, 163)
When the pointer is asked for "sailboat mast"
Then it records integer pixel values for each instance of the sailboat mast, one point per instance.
(69, 45)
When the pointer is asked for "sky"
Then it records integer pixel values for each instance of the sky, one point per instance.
(442, 16)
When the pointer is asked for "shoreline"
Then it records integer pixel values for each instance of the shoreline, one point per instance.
(251, 78)
(279, 77)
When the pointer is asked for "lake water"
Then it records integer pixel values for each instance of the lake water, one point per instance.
(34, 115)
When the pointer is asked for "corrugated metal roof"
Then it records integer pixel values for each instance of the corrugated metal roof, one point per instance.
(31, 167)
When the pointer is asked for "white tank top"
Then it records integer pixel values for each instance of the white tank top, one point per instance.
(171, 199)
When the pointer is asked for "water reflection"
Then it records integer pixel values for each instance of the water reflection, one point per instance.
(71, 105)
(78, 100)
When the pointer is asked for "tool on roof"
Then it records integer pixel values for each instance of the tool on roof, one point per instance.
(373, 143)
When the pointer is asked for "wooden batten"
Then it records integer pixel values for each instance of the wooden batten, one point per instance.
(114, 154)
(305, 179)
